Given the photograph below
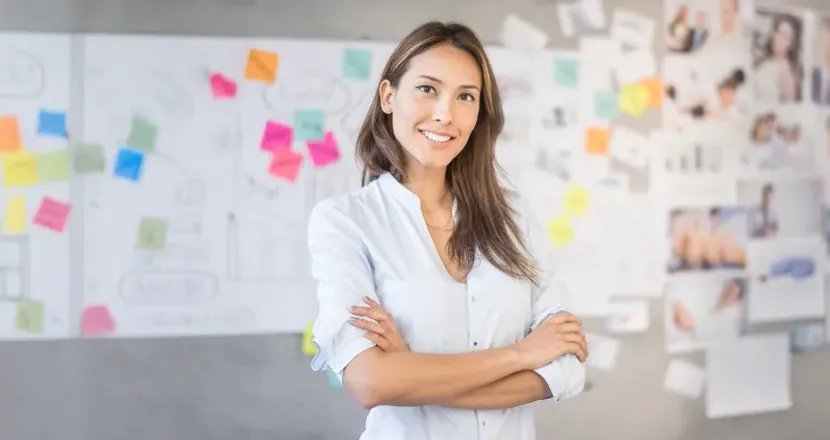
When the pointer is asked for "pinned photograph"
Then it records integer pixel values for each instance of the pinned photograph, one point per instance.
(706, 26)
(820, 73)
(786, 280)
(702, 308)
(779, 141)
(778, 56)
(782, 208)
(706, 239)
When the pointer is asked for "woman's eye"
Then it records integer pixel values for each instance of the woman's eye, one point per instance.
(426, 89)
(467, 97)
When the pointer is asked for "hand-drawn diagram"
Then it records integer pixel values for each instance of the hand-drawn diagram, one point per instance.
(331, 95)
(171, 287)
(21, 74)
(14, 267)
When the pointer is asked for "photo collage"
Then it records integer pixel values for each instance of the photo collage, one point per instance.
(744, 168)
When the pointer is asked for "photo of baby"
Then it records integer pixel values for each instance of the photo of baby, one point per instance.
(707, 239)
(701, 308)
(778, 56)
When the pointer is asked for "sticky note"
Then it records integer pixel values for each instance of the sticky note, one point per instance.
(324, 152)
(262, 66)
(97, 321)
(19, 169)
(633, 99)
(88, 158)
(309, 349)
(222, 87)
(9, 134)
(52, 214)
(53, 166)
(566, 72)
(51, 123)
(142, 135)
(606, 105)
(129, 164)
(276, 135)
(333, 380)
(286, 164)
(597, 140)
(560, 231)
(152, 233)
(575, 202)
(357, 64)
(15, 218)
(29, 316)
(309, 124)
(654, 86)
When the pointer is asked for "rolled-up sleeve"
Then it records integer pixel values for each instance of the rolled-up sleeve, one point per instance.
(565, 376)
(341, 267)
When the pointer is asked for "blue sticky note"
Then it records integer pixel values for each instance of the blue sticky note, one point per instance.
(309, 124)
(606, 105)
(52, 123)
(566, 72)
(357, 64)
(129, 164)
(333, 380)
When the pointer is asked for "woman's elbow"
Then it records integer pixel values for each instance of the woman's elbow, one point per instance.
(577, 380)
(365, 383)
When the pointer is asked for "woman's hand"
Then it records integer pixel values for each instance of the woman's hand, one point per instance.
(561, 334)
(383, 331)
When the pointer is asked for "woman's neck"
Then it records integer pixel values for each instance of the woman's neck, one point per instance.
(430, 185)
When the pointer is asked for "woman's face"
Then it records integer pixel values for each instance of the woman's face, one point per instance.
(782, 39)
(728, 15)
(727, 97)
(435, 107)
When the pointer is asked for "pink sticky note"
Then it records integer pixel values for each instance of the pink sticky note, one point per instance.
(97, 321)
(324, 152)
(222, 86)
(286, 164)
(276, 136)
(52, 214)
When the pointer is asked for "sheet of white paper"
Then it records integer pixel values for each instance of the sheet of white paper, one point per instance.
(566, 20)
(635, 65)
(593, 13)
(602, 351)
(520, 35)
(631, 28)
(629, 146)
(578, 17)
(597, 57)
(684, 379)
(629, 316)
(748, 375)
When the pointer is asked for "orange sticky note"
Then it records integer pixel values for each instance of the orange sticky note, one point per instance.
(596, 141)
(262, 66)
(9, 134)
(655, 91)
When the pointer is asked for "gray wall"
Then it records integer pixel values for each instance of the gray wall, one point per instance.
(239, 387)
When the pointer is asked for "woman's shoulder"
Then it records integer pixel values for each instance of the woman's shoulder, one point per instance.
(344, 207)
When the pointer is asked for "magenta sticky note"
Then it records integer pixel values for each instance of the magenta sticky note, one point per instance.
(286, 164)
(52, 214)
(222, 86)
(97, 321)
(276, 136)
(324, 152)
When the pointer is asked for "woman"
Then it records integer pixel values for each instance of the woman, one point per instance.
(437, 309)
(779, 72)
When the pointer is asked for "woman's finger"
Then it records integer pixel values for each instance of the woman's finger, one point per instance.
(378, 315)
(569, 327)
(379, 340)
(367, 325)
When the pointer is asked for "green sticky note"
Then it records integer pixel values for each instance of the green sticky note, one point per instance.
(142, 135)
(606, 105)
(309, 124)
(566, 72)
(89, 158)
(152, 233)
(357, 64)
(53, 166)
(29, 316)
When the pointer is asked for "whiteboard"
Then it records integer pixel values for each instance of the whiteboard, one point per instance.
(36, 212)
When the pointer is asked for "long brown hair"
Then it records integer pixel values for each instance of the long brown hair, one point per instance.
(484, 219)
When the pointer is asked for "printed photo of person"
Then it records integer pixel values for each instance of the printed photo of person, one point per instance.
(778, 56)
(702, 308)
(719, 101)
(778, 142)
(783, 208)
(706, 27)
(820, 75)
(707, 239)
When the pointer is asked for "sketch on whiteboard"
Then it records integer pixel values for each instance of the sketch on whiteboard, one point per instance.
(356, 112)
(14, 267)
(251, 255)
(21, 74)
(330, 95)
(168, 287)
(190, 193)
(234, 318)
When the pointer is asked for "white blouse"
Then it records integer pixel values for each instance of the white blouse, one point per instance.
(374, 242)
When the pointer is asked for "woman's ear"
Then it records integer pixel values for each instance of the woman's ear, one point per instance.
(387, 96)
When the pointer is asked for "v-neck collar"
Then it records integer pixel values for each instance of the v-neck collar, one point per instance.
(403, 194)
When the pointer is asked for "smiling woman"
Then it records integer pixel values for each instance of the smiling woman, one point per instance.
(437, 308)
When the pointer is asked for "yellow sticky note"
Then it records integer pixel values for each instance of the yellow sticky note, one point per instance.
(15, 220)
(575, 202)
(634, 98)
(308, 341)
(560, 231)
(19, 169)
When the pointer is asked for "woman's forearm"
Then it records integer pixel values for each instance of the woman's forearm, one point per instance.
(511, 391)
(414, 379)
